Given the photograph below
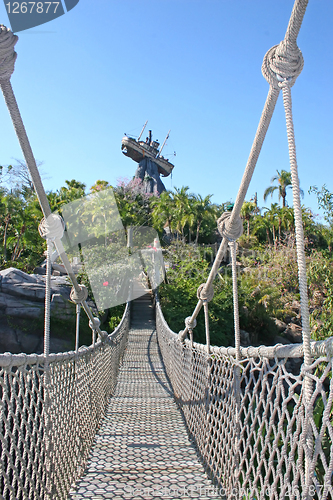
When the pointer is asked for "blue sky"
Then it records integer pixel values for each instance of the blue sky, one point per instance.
(192, 66)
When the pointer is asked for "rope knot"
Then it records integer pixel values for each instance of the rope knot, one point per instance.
(206, 295)
(282, 64)
(233, 232)
(52, 228)
(104, 336)
(190, 324)
(94, 325)
(7, 53)
(78, 297)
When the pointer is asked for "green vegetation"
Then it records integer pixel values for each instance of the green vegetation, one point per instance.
(267, 276)
(186, 224)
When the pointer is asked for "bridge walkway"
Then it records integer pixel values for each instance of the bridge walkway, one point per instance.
(142, 449)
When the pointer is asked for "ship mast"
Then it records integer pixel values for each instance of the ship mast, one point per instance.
(142, 130)
(167, 137)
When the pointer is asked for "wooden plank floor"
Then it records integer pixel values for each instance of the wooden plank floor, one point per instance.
(142, 450)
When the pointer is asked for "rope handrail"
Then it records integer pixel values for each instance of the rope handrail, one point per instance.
(319, 348)
(8, 359)
(282, 64)
(7, 61)
(47, 431)
(267, 439)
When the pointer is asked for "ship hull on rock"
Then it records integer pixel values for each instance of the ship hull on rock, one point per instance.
(137, 150)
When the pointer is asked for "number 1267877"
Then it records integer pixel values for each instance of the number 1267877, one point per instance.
(32, 7)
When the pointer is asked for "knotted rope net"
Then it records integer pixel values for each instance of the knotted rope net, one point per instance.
(261, 417)
(47, 429)
(251, 426)
(50, 404)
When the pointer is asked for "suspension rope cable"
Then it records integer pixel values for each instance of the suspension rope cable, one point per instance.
(77, 327)
(47, 310)
(298, 226)
(283, 61)
(7, 62)
(252, 161)
(206, 314)
(302, 278)
(232, 246)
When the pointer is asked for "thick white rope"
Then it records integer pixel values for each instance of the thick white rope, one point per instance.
(302, 278)
(7, 61)
(47, 309)
(232, 246)
(301, 262)
(264, 122)
(46, 377)
(287, 52)
(7, 54)
(284, 61)
(206, 314)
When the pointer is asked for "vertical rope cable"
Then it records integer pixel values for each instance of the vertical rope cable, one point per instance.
(77, 332)
(205, 304)
(46, 378)
(47, 300)
(232, 246)
(298, 226)
(263, 125)
(306, 332)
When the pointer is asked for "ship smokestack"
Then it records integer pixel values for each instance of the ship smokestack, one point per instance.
(150, 137)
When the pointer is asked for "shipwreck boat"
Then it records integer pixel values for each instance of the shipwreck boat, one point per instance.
(137, 150)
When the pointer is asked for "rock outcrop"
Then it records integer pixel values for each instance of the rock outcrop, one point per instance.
(147, 172)
(22, 299)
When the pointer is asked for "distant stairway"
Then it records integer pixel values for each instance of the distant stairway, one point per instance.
(143, 312)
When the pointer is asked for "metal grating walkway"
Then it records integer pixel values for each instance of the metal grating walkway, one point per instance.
(142, 450)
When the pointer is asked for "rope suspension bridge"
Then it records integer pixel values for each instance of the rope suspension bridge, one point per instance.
(147, 412)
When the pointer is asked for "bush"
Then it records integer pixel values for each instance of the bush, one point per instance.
(187, 270)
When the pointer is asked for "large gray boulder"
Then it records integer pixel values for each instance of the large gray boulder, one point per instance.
(22, 298)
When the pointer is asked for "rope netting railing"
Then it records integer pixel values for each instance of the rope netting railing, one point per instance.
(250, 418)
(51, 404)
(50, 410)
(263, 428)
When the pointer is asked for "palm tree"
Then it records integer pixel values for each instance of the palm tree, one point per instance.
(284, 181)
(248, 210)
(203, 210)
(163, 211)
(13, 208)
(263, 224)
(183, 209)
